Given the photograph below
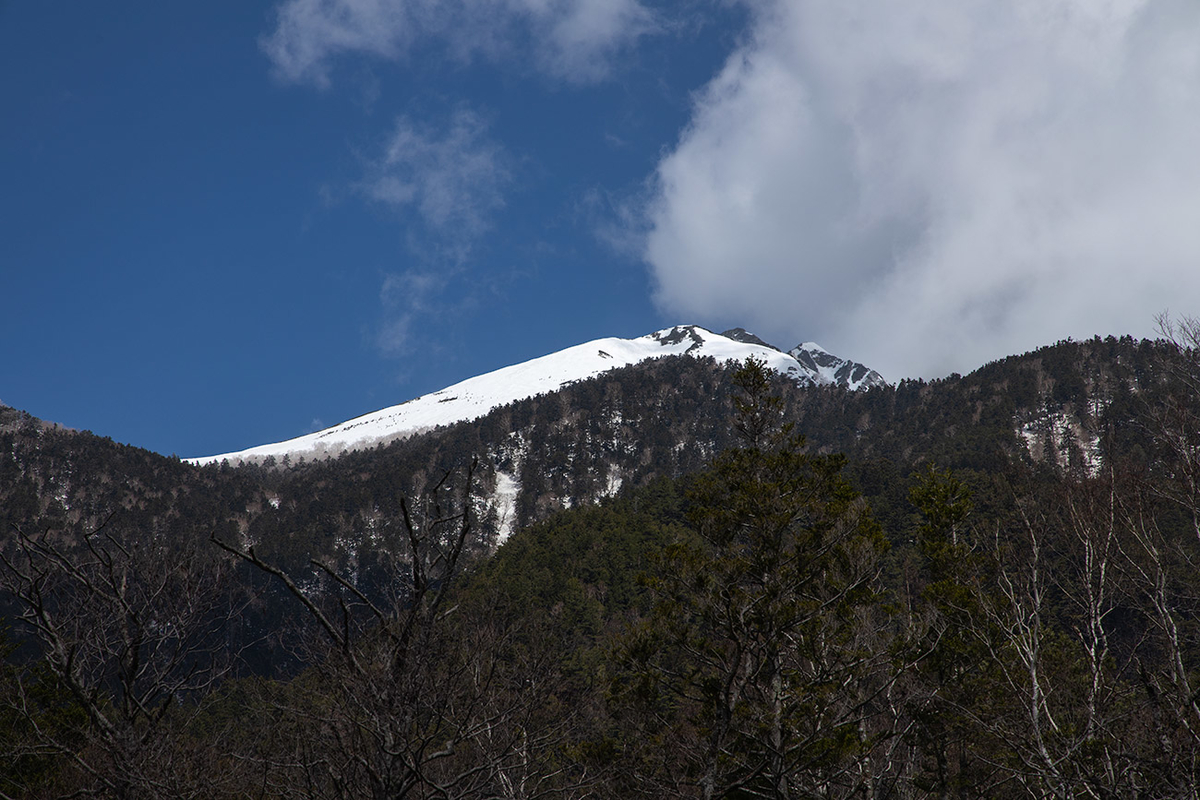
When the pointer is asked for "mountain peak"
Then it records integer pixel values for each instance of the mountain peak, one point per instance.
(474, 397)
(832, 369)
(746, 337)
(679, 334)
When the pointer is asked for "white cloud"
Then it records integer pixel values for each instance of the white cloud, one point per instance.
(929, 184)
(453, 177)
(446, 183)
(577, 40)
(408, 298)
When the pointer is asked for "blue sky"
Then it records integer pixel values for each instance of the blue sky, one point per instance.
(224, 224)
(192, 261)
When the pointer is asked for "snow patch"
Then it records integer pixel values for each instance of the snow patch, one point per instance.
(613, 484)
(1056, 435)
(505, 503)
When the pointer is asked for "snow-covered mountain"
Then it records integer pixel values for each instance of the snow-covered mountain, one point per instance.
(475, 397)
(828, 368)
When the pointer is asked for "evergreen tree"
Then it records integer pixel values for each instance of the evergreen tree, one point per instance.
(765, 648)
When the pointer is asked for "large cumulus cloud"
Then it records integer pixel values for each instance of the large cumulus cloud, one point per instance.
(929, 184)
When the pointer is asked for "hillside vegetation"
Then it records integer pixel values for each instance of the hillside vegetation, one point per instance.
(711, 584)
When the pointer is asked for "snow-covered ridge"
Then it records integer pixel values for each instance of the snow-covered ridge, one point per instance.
(475, 397)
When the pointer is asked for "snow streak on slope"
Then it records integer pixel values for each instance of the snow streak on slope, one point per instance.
(475, 397)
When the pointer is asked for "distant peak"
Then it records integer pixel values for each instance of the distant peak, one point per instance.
(833, 369)
(680, 334)
(746, 337)
(474, 397)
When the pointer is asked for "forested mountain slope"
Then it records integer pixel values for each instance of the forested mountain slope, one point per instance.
(734, 620)
(1065, 405)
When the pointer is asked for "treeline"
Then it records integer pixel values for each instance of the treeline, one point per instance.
(751, 631)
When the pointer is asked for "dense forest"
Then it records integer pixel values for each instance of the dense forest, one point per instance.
(716, 585)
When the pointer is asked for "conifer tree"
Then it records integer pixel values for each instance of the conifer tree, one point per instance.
(769, 651)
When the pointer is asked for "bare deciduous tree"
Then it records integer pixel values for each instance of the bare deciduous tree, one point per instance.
(130, 629)
(411, 694)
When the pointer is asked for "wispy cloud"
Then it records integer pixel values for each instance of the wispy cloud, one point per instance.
(453, 177)
(927, 185)
(406, 298)
(575, 40)
(615, 219)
